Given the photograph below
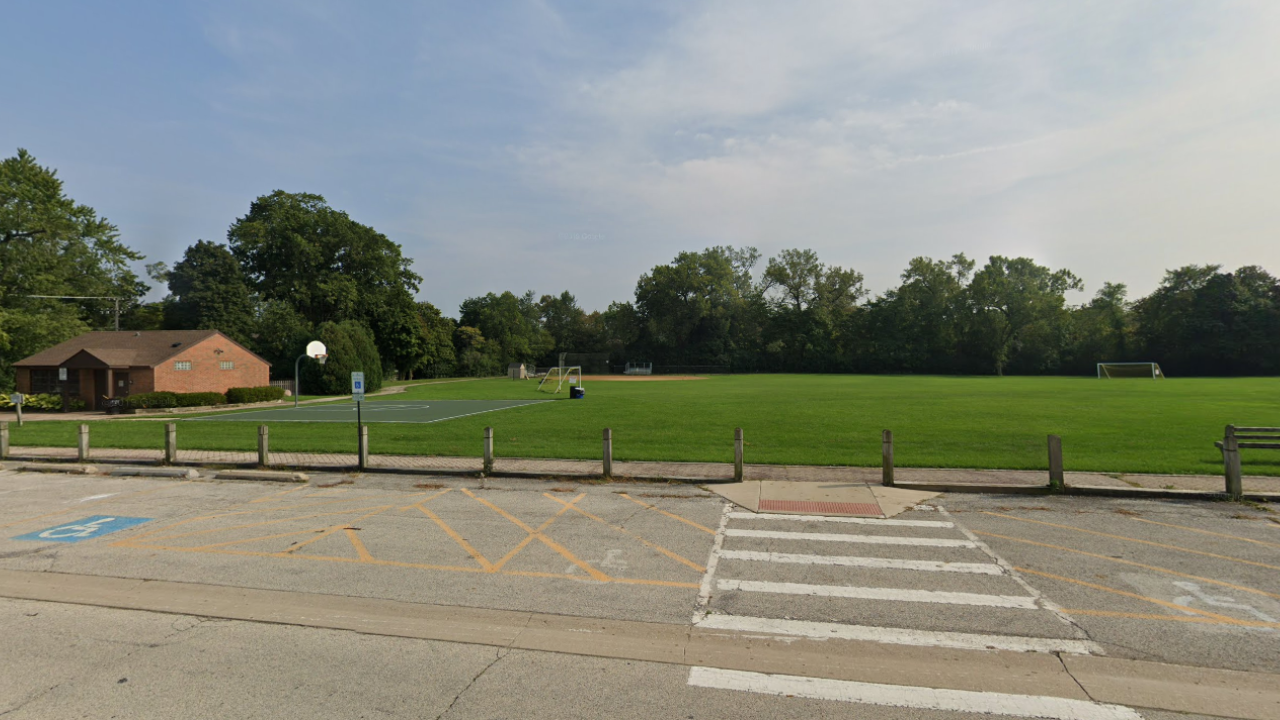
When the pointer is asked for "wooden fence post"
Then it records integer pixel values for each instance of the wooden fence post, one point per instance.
(1231, 464)
(488, 451)
(737, 455)
(1057, 479)
(886, 457)
(607, 469)
(363, 459)
(82, 448)
(264, 445)
(4, 440)
(170, 443)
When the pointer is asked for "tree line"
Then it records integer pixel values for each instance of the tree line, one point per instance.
(294, 269)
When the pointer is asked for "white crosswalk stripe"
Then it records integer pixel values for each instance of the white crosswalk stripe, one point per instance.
(851, 538)
(906, 567)
(904, 696)
(866, 562)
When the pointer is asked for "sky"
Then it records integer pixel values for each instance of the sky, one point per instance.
(532, 144)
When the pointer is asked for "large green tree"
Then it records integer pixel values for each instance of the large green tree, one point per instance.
(209, 293)
(510, 323)
(293, 247)
(52, 245)
(1019, 309)
(696, 310)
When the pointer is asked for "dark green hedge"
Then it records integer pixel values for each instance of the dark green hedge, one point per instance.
(201, 399)
(152, 400)
(266, 393)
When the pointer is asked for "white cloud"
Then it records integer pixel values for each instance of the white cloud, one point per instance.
(1079, 133)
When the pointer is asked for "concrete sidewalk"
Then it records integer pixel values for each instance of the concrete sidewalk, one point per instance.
(707, 472)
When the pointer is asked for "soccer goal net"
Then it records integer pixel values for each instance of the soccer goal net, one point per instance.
(557, 377)
(1130, 370)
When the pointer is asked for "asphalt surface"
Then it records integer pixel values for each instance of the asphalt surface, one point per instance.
(1191, 584)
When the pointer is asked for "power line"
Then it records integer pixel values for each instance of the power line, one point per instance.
(85, 297)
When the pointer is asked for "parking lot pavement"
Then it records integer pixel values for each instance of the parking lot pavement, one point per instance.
(1184, 583)
(1193, 583)
(624, 552)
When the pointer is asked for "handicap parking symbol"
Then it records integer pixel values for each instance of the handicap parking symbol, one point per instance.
(86, 529)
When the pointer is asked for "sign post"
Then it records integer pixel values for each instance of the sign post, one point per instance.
(16, 399)
(357, 394)
(62, 388)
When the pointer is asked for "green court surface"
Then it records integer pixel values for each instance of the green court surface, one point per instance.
(404, 411)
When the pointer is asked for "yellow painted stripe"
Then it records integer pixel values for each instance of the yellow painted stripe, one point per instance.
(674, 556)
(538, 534)
(1145, 616)
(79, 507)
(654, 508)
(1208, 532)
(264, 523)
(1108, 558)
(361, 551)
(1134, 540)
(1226, 619)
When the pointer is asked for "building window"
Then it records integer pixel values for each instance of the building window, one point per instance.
(226, 365)
(182, 365)
(46, 382)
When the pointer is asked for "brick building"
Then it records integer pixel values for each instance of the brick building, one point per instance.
(102, 365)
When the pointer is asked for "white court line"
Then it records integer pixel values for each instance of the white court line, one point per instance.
(1020, 602)
(713, 559)
(898, 636)
(865, 562)
(906, 696)
(228, 417)
(838, 537)
(850, 520)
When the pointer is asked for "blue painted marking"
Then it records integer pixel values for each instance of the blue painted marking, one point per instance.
(86, 529)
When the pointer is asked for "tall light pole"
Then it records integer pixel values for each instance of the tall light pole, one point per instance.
(315, 349)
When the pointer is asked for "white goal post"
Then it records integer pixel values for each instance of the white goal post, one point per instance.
(1130, 370)
(557, 376)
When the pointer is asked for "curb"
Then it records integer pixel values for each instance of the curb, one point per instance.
(53, 468)
(274, 475)
(164, 472)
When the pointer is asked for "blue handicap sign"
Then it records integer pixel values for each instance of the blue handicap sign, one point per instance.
(86, 529)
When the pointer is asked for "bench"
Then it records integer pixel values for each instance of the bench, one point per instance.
(1258, 438)
(1235, 438)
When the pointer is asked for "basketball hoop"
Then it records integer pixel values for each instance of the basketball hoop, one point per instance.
(320, 358)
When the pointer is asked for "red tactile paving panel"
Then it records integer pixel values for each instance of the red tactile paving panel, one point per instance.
(820, 508)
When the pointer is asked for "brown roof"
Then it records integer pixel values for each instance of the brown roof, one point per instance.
(147, 348)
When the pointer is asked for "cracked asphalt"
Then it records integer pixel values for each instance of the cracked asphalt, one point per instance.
(1188, 583)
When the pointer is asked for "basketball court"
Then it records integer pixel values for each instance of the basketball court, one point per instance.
(385, 411)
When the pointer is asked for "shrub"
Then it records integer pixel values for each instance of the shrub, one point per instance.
(34, 403)
(152, 400)
(201, 399)
(266, 393)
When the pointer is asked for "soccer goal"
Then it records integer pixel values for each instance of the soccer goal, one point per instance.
(557, 377)
(1130, 370)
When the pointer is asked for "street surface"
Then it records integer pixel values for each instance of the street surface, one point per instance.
(395, 596)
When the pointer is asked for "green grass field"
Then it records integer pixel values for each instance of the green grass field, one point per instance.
(1117, 426)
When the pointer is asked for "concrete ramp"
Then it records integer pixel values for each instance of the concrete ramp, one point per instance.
(820, 498)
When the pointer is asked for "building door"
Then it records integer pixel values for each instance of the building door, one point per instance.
(100, 390)
(122, 385)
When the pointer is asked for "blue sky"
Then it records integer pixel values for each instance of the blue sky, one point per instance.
(560, 145)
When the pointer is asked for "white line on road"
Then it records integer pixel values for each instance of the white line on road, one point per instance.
(905, 696)
(841, 537)
(876, 593)
(850, 520)
(96, 497)
(865, 562)
(704, 592)
(898, 636)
